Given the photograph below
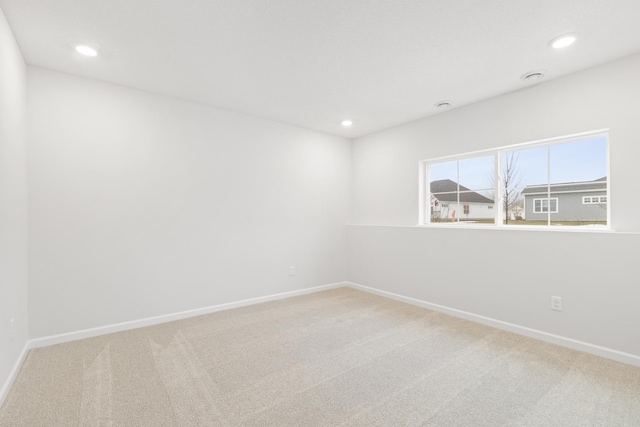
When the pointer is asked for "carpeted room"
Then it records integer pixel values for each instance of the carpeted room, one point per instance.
(171, 191)
(335, 357)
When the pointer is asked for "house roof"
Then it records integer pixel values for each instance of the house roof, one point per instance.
(446, 190)
(568, 187)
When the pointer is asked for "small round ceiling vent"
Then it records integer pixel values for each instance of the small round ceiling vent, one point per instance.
(532, 76)
(443, 104)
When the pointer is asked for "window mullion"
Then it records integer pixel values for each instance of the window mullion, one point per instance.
(549, 185)
(498, 190)
(457, 218)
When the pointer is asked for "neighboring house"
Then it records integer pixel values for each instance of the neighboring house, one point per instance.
(471, 206)
(570, 201)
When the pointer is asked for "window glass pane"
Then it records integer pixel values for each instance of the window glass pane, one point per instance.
(462, 191)
(524, 179)
(577, 168)
(442, 207)
(476, 208)
(579, 161)
(477, 193)
(477, 174)
(443, 190)
(443, 177)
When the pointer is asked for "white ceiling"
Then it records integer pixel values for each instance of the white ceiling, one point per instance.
(314, 63)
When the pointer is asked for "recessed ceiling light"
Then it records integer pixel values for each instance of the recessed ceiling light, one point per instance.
(86, 50)
(563, 41)
(347, 123)
(443, 104)
(533, 75)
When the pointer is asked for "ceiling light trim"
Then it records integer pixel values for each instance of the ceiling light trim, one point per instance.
(86, 50)
(563, 41)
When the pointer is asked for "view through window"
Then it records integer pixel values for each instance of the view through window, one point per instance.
(562, 182)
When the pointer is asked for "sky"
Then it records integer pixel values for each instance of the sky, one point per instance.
(584, 160)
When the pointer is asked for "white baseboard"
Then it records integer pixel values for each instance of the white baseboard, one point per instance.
(605, 352)
(108, 329)
(14, 373)
(149, 321)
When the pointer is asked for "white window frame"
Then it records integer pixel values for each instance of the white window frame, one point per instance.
(424, 217)
(542, 207)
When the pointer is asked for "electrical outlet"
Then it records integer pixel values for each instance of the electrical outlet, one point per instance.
(12, 326)
(556, 303)
(292, 271)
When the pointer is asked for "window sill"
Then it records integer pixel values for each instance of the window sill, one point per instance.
(555, 228)
(530, 228)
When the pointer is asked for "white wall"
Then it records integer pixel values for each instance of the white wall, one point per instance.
(13, 201)
(143, 205)
(508, 275)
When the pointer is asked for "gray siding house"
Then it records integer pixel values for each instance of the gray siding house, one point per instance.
(570, 201)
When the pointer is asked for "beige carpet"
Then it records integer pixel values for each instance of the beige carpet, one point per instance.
(340, 357)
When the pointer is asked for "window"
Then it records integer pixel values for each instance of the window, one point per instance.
(447, 191)
(542, 205)
(523, 184)
(594, 200)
